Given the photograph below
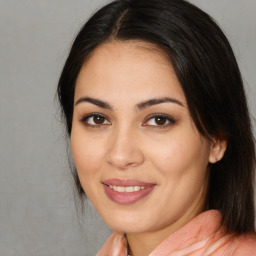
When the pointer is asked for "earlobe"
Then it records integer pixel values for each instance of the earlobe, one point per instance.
(217, 151)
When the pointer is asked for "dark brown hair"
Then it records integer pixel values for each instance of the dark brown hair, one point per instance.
(210, 78)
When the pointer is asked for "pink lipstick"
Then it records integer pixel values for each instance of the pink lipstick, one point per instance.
(127, 191)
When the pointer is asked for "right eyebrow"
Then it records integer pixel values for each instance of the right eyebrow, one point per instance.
(96, 102)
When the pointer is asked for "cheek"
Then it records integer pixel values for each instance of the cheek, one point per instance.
(87, 153)
(178, 154)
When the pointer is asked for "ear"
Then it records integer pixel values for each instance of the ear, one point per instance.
(217, 150)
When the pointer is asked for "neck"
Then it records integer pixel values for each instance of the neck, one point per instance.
(142, 244)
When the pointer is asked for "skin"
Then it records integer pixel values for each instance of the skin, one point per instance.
(130, 144)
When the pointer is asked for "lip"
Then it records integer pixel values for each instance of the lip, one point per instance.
(127, 183)
(127, 197)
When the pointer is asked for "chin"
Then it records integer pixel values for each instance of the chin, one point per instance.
(126, 223)
(128, 228)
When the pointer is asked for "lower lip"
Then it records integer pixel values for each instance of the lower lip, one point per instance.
(127, 198)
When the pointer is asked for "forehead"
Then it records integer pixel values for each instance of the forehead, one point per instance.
(130, 46)
(128, 68)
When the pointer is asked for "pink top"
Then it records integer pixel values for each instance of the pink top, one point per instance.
(202, 236)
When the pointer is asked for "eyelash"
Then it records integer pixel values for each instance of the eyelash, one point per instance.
(85, 119)
(169, 119)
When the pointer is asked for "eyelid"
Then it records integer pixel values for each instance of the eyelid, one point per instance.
(170, 119)
(87, 116)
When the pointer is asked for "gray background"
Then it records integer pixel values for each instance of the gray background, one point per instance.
(37, 213)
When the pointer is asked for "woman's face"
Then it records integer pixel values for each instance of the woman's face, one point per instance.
(139, 157)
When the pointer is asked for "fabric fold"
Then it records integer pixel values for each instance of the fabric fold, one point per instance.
(202, 236)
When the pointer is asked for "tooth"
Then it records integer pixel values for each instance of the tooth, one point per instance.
(126, 189)
(136, 188)
(120, 189)
(129, 189)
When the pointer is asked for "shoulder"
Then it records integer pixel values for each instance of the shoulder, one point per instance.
(246, 245)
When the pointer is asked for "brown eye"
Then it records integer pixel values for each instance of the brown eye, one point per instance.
(159, 120)
(98, 120)
(95, 120)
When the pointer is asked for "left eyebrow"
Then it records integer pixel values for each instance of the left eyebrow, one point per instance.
(152, 102)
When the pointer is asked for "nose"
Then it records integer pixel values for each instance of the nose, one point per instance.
(124, 150)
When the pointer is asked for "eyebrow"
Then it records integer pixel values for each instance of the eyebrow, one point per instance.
(151, 102)
(139, 106)
(96, 102)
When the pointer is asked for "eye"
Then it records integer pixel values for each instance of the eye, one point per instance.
(159, 120)
(95, 120)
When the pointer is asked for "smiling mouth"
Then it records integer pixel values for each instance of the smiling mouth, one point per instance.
(127, 191)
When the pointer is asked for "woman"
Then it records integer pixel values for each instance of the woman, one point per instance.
(160, 132)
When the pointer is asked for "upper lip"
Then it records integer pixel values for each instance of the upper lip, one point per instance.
(127, 183)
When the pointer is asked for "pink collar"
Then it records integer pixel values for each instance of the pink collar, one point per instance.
(203, 235)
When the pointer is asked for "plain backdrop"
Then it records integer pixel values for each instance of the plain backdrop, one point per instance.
(37, 210)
